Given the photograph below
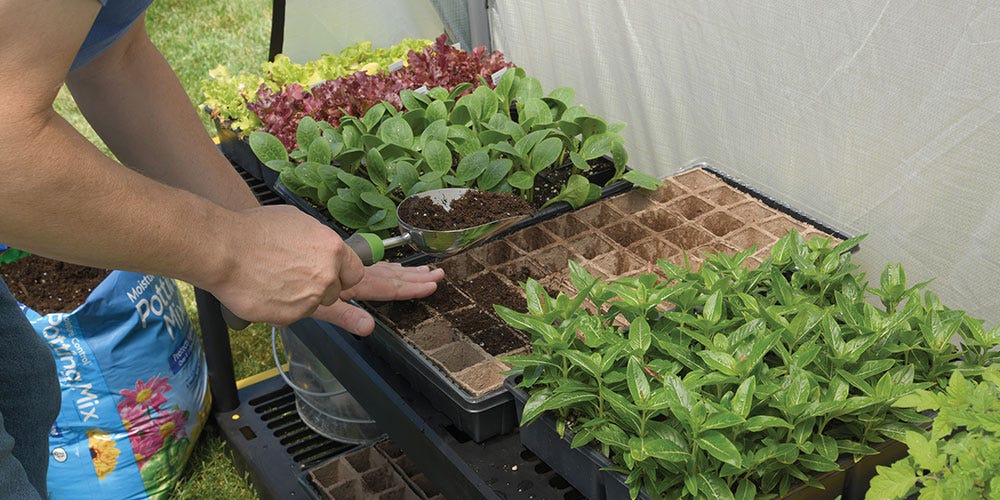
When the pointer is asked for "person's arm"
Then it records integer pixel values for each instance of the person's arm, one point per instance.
(62, 198)
(132, 98)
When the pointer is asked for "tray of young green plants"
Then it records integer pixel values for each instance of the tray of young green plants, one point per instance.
(511, 138)
(731, 382)
(960, 456)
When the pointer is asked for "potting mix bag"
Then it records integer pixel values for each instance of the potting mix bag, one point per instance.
(134, 390)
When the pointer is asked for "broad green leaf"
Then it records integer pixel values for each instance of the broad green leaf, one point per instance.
(307, 132)
(556, 401)
(683, 397)
(564, 95)
(396, 131)
(267, 147)
(534, 111)
(437, 156)
(495, 172)
(524, 145)
(743, 399)
(713, 487)
(818, 463)
(349, 156)
(642, 180)
(521, 180)
(412, 100)
(826, 446)
(533, 407)
(924, 452)
(592, 125)
(785, 453)
(436, 111)
(719, 361)
(527, 323)
(544, 154)
(612, 435)
(470, 167)
(720, 447)
(722, 420)
(376, 168)
(746, 490)
(576, 192)
(663, 449)
(760, 422)
(347, 213)
(638, 385)
(373, 116)
(319, 151)
(436, 131)
(639, 335)
(896, 481)
(623, 410)
(597, 146)
(713, 309)
(582, 361)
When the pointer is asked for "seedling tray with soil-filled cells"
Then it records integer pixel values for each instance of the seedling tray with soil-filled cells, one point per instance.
(450, 345)
(546, 187)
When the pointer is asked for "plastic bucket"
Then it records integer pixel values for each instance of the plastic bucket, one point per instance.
(321, 400)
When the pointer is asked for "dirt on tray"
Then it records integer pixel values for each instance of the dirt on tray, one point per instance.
(49, 286)
(474, 208)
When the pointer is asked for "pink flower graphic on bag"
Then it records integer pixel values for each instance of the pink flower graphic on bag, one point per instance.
(146, 394)
(149, 426)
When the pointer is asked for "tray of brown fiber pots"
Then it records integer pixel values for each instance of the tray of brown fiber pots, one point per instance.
(451, 345)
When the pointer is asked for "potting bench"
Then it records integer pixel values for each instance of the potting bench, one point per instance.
(270, 442)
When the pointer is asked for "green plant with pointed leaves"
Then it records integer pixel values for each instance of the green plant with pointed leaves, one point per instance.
(960, 456)
(510, 138)
(731, 382)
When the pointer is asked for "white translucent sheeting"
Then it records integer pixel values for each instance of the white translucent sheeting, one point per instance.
(317, 27)
(872, 117)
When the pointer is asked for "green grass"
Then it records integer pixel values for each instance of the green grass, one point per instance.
(196, 37)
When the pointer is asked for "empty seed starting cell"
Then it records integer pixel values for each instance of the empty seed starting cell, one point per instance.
(418, 481)
(365, 473)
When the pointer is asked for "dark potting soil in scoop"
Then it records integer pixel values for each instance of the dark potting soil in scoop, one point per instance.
(472, 209)
(49, 286)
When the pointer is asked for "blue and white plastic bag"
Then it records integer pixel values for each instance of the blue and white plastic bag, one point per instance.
(134, 390)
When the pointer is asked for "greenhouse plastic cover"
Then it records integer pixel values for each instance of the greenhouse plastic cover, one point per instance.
(876, 118)
(317, 27)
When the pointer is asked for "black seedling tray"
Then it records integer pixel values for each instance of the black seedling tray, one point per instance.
(238, 151)
(480, 418)
(581, 467)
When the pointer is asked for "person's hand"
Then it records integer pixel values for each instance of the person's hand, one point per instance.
(382, 281)
(283, 266)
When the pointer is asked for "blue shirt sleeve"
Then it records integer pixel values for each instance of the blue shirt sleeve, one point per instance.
(114, 19)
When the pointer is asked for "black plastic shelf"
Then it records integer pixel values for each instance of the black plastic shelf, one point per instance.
(274, 447)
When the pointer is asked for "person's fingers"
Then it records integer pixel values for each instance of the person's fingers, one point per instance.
(393, 282)
(398, 272)
(346, 316)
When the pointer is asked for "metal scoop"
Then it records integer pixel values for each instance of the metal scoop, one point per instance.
(371, 248)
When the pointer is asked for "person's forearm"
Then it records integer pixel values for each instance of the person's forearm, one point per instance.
(134, 101)
(60, 197)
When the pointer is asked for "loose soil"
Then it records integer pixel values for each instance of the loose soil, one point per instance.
(474, 208)
(49, 286)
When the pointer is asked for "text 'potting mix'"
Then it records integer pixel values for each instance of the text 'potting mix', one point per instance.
(160, 303)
